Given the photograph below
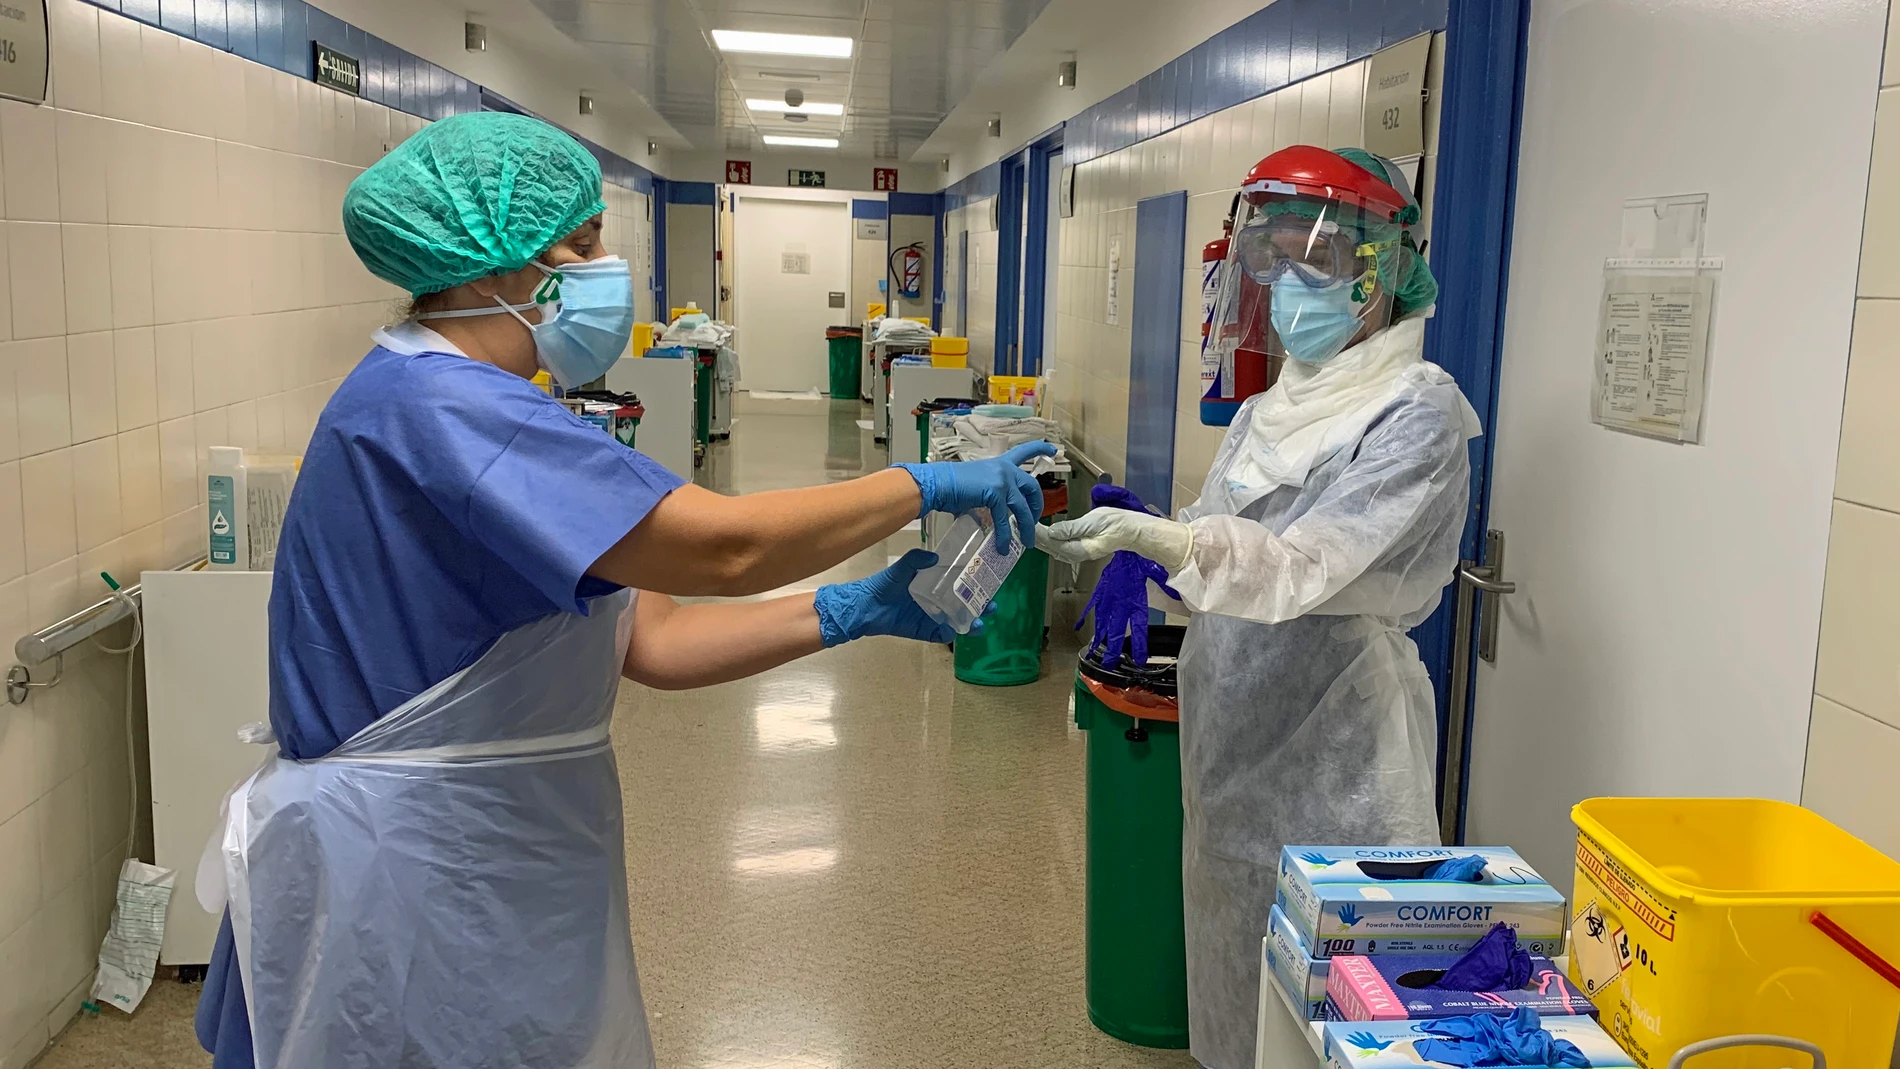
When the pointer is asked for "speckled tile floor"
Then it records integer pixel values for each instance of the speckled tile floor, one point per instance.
(852, 862)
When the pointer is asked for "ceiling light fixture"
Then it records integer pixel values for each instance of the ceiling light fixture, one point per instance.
(809, 107)
(782, 44)
(792, 76)
(801, 142)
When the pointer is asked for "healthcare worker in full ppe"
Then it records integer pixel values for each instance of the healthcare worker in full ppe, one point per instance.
(428, 870)
(1327, 527)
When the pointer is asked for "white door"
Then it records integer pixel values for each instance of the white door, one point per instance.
(792, 256)
(1662, 637)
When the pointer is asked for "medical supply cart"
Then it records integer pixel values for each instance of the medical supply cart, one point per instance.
(666, 389)
(910, 386)
(882, 353)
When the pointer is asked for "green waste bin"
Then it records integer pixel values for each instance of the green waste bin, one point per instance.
(1136, 975)
(1008, 651)
(847, 352)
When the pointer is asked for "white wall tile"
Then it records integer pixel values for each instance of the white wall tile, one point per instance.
(39, 375)
(92, 386)
(52, 593)
(9, 406)
(1880, 235)
(140, 503)
(88, 277)
(135, 373)
(130, 249)
(85, 149)
(172, 360)
(1869, 471)
(122, 71)
(164, 80)
(71, 942)
(46, 495)
(228, 102)
(22, 1019)
(19, 747)
(74, 29)
(1345, 119)
(108, 804)
(65, 835)
(19, 878)
(96, 493)
(178, 466)
(38, 281)
(174, 266)
(198, 83)
(1859, 659)
(12, 532)
(28, 144)
(1849, 777)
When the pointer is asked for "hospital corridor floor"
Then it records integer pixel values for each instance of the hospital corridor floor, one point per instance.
(850, 862)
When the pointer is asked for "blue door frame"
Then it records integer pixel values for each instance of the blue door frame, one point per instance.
(1009, 264)
(1036, 250)
(1471, 255)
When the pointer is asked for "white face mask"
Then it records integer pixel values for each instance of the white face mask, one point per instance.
(580, 336)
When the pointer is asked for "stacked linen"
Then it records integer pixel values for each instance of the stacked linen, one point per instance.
(974, 436)
(892, 331)
(697, 331)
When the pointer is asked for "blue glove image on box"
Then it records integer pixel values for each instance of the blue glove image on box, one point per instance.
(1392, 899)
(1472, 1042)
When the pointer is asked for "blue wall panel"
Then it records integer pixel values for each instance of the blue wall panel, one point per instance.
(868, 209)
(210, 24)
(1155, 358)
(915, 204)
(145, 11)
(690, 193)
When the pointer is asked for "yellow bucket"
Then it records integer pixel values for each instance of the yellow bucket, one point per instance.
(949, 359)
(1701, 918)
(1010, 389)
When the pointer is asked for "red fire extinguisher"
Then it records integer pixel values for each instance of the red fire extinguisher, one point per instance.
(1217, 402)
(908, 271)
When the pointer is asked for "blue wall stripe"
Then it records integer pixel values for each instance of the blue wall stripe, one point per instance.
(915, 203)
(690, 193)
(870, 209)
(1154, 360)
(1279, 45)
(279, 33)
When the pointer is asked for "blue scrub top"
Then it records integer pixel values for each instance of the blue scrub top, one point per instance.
(443, 502)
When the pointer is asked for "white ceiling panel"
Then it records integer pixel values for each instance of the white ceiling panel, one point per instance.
(914, 61)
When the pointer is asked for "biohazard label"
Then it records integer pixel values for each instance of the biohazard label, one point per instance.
(1624, 887)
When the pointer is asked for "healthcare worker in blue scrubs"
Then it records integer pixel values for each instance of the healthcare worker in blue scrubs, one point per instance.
(428, 870)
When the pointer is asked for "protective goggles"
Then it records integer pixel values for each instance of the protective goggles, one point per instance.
(1318, 251)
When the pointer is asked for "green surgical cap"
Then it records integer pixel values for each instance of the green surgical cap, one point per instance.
(1402, 271)
(468, 197)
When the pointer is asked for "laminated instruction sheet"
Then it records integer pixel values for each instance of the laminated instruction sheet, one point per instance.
(1653, 328)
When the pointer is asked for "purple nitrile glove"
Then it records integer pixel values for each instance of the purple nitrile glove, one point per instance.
(1110, 496)
(1120, 605)
(1120, 600)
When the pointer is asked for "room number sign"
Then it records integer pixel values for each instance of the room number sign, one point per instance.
(23, 50)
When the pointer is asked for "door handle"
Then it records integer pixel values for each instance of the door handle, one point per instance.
(1478, 575)
(1478, 588)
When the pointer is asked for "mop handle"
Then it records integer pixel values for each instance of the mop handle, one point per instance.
(1855, 947)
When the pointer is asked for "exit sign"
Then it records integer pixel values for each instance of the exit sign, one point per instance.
(884, 179)
(809, 179)
(338, 71)
(739, 172)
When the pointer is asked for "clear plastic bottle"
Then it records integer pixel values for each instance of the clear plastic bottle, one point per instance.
(968, 573)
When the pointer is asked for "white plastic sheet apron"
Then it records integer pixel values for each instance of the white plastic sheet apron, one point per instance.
(448, 887)
(1306, 714)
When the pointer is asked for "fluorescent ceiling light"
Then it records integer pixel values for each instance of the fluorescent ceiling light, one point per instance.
(807, 108)
(801, 142)
(782, 44)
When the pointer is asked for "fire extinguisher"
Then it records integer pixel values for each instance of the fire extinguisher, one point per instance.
(1216, 410)
(907, 270)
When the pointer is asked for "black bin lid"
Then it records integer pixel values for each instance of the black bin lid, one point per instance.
(1164, 640)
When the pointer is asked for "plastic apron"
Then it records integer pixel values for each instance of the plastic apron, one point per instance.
(448, 887)
(1321, 728)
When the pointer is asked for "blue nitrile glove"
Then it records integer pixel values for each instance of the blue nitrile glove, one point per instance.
(1120, 604)
(1467, 869)
(1486, 1039)
(1110, 496)
(879, 605)
(1495, 963)
(998, 484)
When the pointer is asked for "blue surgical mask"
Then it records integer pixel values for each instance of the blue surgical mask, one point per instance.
(586, 318)
(1314, 323)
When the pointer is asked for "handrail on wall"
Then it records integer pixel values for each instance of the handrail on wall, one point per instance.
(49, 643)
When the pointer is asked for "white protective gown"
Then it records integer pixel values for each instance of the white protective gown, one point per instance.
(1328, 526)
(448, 887)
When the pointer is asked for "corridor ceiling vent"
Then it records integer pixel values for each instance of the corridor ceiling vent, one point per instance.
(1065, 74)
(995, 128)
(782, 44)
(587, 104)
(475, 37)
